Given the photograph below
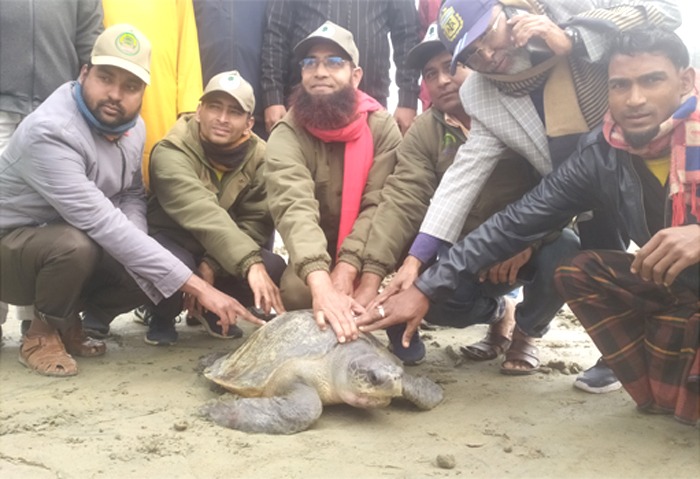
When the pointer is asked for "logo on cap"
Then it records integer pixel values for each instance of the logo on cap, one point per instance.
(451, 23)
(127, 43)
(230, 82)
(326, 31)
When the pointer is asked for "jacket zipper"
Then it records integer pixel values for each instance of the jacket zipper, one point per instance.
(119, 146)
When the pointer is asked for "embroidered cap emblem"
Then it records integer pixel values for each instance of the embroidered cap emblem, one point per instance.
(128, 44)
(451, 23)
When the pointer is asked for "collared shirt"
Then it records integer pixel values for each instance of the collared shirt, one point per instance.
(289, 21)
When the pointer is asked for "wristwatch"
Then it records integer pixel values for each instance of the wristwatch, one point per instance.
(575, 37)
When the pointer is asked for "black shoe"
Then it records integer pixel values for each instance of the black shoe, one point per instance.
(209, 321)
(260, 314)
(161, 332)
(94, 327)
(414, 354)
(142, 315)
(598, 379)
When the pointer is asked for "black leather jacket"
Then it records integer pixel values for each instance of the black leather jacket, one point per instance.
(596, 176)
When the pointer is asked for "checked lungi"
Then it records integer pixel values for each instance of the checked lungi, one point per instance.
(648, 334)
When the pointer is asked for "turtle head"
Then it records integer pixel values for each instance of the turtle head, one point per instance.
(371, 381)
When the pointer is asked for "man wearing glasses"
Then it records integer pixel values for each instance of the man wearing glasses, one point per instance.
(326, 163)
(538, 85)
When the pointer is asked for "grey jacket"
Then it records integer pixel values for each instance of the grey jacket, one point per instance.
(58, 169)
(43, 44)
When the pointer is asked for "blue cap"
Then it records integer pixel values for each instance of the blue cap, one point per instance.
(461, 22)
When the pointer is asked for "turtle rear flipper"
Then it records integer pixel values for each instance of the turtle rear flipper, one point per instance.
(295, 412)
(422, 392)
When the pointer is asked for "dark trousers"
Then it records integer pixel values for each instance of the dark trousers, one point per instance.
(482, 303)
(235, 287)
(648, 334)
(61, 271)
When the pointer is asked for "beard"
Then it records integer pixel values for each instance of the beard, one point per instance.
(640, 139)
(121, 118)
(521, 61)
(324, 112)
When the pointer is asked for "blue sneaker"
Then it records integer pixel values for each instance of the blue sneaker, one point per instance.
(598, 379)
(414, 354)
(161, 332)
(142, 315)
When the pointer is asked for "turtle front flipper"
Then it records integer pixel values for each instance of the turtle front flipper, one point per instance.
(295, 412)
(422, 392)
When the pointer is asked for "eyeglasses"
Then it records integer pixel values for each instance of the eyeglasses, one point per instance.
(330, 63)
(476, 55)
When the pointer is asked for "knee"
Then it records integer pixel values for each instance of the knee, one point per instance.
(571, 273)
(295, 293)
(77, 249)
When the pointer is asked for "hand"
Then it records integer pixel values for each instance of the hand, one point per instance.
(265, 291)
(273, 114)
(368, 288)
(408, 307)
(207, 274)
(667, 253)
(507, 271)
(527, 26)
(404, 118)
(343, 277)
(404, 279)
(333, 307)
(223, 305)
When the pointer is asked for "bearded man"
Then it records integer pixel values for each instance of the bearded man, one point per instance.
(326, 163)
(73, 223)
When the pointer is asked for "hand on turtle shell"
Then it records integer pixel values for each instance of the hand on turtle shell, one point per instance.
(265, 292)
(332, 307)
(404, 278)
(368, 288)
(343, 277)
(408, 307)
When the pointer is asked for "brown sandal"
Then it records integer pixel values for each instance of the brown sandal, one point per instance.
(78, 343)
(492, 346)
(524, 352)
(47, 356)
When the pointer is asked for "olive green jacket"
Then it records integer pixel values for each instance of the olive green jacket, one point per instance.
(225, 221)
(427, 150)
(304, 178)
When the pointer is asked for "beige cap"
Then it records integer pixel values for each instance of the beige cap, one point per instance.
(422, 53)
(331, 32)
(232, 83)
(125, 47)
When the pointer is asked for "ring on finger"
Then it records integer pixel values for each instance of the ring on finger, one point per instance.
(382, 313)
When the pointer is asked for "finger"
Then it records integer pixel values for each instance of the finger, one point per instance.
(257, 297)
(277, 302)
(650, 262)
(513, 276)
(224, 325)
(411, 328)
(246, 315)
(644, 252)
(503, 271)
(336, 327)
(674, 270)
(320, 320)
(493, 274)
(661, 268)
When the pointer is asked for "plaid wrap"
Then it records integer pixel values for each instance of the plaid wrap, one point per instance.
(647, 334)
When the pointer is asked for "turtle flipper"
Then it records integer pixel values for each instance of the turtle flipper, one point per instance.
(422, 392)
(288, 414)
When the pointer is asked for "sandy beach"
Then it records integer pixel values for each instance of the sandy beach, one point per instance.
(133, 414)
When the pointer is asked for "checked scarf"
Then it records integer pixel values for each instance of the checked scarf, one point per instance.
(680, 134)
(359, 156)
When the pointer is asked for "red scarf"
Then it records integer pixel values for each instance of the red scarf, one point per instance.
(359, 155)
(681, 135)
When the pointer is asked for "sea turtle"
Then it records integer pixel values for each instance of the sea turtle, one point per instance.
(289, 368)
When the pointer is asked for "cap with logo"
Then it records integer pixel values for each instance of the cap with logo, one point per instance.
(329, 31)
(426, 49)
(461, 22)
(232, 83)
(124, 46)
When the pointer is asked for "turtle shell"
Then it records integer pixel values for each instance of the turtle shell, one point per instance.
(290, 337)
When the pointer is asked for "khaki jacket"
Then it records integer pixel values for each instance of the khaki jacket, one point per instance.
(427, 150)
(226, 221)
(304, 178)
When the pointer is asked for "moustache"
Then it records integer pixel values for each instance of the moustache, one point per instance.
(115, 105)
